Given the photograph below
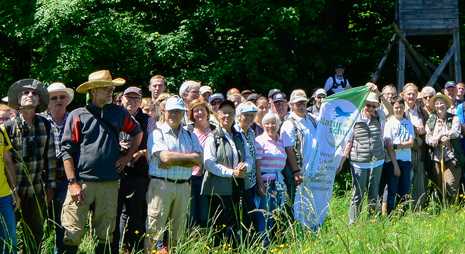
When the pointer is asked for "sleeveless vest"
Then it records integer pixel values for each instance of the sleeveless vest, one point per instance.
(367, 143)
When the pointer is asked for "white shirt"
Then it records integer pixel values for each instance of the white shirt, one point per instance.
(307, 126)
(339, 81)
(399, 131)
(209, 156)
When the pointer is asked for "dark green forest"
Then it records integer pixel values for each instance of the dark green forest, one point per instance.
(246, 44)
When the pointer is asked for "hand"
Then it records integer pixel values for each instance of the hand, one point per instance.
(137, 155)
(122, 162)
(76, 192)
(50, 194)
(396, 170)
(298, 179)
(261, 190)
(241, 166)
(124, 144)
(238, 173)
(373, 87)
(444, 139)
(16, 200)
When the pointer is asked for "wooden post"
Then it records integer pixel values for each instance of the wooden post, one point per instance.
(375, 75)
(401, 66)
(443, 64)
(457, 65)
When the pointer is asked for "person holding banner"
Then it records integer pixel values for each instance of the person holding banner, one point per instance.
(366, 152)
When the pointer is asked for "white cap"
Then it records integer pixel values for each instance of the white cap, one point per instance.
(60, 87)
(372, 97)
(174, 103)
(205, 89)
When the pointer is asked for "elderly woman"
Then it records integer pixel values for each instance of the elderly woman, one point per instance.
(199, 115)
(426, 94)
(442, 133)
(366, 152)
(317, 98)
(245, 115)
(271, 160)
(225, 169)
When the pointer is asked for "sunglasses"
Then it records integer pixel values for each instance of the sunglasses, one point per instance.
(61, 97)
(427, 97)
(321, 96)
(27, 92)
(371, 106)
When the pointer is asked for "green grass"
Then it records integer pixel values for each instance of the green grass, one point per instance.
(434, 230)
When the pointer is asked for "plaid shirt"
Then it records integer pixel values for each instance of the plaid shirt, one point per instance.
(34, 153)
(57, 131)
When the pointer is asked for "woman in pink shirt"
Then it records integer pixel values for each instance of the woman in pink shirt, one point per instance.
(199, 113)
(271, 159)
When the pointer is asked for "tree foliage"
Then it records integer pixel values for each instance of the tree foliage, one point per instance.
(255, 44)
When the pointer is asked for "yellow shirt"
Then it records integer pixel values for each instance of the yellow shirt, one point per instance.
(5, 145)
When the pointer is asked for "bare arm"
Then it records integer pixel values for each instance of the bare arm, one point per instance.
(180, 159)
(10, 170)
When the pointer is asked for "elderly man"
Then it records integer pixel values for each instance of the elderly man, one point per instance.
(189, 91)
(317, 98)
(59, 98)
(93, 161)
(132, 205)
(279, 105)
(337, 83)
(35, 155)
(157, 86)
(173, 151)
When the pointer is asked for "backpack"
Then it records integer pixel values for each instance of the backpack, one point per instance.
(455, 143)
(335, 85)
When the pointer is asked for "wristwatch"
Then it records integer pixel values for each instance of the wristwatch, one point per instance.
(72, 180)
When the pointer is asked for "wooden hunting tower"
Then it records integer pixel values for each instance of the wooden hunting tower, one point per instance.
(427, 18)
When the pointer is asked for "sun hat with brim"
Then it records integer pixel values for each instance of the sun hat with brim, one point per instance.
(372, 97)
(442, 97)
(175, 103)
(60, 87)
(100, 79)
(19, 86)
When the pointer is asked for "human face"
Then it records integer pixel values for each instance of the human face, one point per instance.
(410, 96)
(339, 71)
(280, 108)
(440, 106)
(226, 116)
(4, 116)
(389, 93)
(319, 99)
(460, 90)
(131, 102)
(246, 119)
(398, 109)
(370, 108)
(193, 94)
(271, 128)
(451, 92)
(156, 87)
(200, 114)
(29, 98)
(174, 117)
(206, 96)
(427, 98)
(102, 95)
(57, 101)
(300, 108)
(262, 106)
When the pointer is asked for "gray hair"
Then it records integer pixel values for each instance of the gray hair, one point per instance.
(270, 116)
(187, 86)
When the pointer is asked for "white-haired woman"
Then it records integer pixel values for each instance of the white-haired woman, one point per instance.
(271, 160)
(245, 115)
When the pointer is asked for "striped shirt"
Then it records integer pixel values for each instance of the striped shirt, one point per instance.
(201, 136)
(165, 139)
(270, 154)
(57, 130)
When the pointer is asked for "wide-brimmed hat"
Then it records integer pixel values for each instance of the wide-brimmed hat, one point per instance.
(60, 87)
(19, 86)
(100, 79)
(372, 97)
(442, 97)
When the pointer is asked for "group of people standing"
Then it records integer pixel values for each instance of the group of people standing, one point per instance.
(148, 168)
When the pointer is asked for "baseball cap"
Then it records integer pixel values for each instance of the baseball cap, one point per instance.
(175, 103)
(216, 96)
(247, 107)
(205, 89)
(252, 97)
(319, 91)
(298, 97)
(449, 84)
(273, 92)
(278, 97)
(133, 89)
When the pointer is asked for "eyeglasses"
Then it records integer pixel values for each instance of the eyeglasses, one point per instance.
(321, 96)
(371, 106)
(427, 97)
(27, 92)
(61, 97)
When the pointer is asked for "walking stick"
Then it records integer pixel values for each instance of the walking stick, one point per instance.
(442, 174)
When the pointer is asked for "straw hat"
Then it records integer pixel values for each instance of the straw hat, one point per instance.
(442, 97)
(99, 79)
(19, 86)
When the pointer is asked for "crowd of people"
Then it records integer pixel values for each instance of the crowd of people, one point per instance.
(150, 168)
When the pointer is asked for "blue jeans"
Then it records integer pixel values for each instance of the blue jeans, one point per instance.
(398, 186)
(8, 225)
(364, 180)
